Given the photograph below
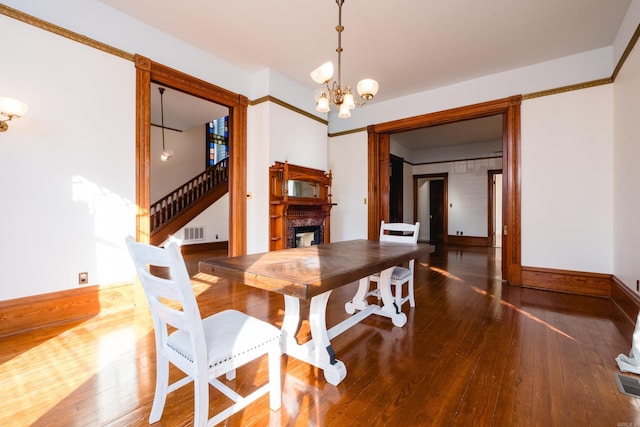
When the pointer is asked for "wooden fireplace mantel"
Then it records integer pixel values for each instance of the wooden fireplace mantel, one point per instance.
(298, 196)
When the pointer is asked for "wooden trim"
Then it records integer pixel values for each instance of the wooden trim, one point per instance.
(569, 88)
(29, 313)
(574, 282)
(204, 247)
(379, 169)
(347, 132)
(625, 299)
(626, 53)
(71, 35)
(148, 71)
(468, 240)
(273, 99)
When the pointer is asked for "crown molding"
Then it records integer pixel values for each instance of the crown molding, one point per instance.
(269, 98)
(55, 29)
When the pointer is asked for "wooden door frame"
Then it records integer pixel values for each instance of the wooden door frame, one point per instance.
(445, 200)
(148, 71)
(378, 166)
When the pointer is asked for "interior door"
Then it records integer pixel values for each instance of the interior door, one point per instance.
(436, 210)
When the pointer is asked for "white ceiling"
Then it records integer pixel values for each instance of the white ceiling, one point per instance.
(407, 45)
(181, 111)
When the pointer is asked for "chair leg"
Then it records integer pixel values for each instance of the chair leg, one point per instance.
(201, 401)
(231, 375)
(275, 389)
(412, 301)
(162, 388)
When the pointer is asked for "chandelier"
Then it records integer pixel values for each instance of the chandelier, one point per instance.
(334, 92)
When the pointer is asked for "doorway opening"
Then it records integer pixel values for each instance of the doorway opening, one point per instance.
(430, 206)
(379, 161)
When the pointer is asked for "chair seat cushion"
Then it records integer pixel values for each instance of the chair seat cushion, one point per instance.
(228, 334)
(399, 273)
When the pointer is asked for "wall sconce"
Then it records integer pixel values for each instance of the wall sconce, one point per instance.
(9, 109)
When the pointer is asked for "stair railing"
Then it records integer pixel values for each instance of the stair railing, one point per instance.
(172, 204)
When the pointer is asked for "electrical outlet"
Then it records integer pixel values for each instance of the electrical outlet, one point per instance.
(83, 278)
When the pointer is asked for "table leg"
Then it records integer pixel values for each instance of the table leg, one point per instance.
(359, 301)
(389, 308)
(318, 351)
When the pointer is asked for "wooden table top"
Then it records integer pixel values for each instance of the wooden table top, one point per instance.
(309, 271)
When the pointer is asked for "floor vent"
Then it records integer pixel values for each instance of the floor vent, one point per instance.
(628, 385)
(192, 234)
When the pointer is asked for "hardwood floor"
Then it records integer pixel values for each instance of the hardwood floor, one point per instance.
(474, 352)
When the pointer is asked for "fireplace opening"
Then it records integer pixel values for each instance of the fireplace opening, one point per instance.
(306, 236)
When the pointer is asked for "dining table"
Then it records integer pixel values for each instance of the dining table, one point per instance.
(312, 273)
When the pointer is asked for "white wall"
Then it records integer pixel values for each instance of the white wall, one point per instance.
(258, 162)
(67, 169)
(188, 159)
(215, 220)
(626, 173)
(567, 180)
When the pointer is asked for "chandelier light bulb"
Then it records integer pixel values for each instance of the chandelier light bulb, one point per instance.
(323, 73)
(367, 88)
(348, 100)
(12, 107)
(323, 104)
(344, 112)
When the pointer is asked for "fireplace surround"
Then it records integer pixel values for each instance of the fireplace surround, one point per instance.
(299, 198)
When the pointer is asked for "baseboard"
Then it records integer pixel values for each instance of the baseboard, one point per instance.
(627, 301)
(29, 313)
(204, 247)
(574, 282)
(468, 240)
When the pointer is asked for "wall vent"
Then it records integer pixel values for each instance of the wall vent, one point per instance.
(192, 234)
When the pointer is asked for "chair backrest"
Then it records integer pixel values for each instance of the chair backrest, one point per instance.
(399, 232)
(167, 286)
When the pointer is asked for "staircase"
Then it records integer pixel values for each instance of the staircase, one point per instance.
(176, 209)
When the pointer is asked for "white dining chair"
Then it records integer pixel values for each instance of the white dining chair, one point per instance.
(404, 233)
(203, 349)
